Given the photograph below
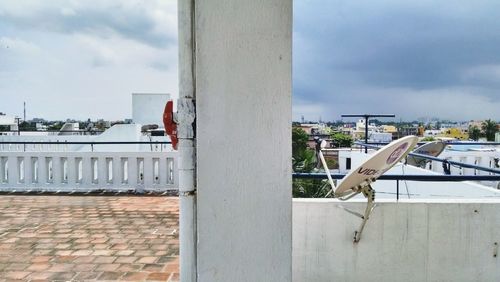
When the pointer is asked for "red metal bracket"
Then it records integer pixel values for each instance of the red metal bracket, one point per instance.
(169, 123)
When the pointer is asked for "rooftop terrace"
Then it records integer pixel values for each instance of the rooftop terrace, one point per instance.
(89, 238)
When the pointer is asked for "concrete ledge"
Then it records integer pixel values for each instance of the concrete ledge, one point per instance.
(424, 240)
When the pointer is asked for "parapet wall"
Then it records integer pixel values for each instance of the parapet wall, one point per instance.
(406, 241)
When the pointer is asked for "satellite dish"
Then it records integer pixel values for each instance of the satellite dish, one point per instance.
(433, 149)
(359, 179)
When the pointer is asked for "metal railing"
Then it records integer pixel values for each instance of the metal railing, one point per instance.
(398, 177)
(446, 142)
(444, 161)
(412, 177)
(447, 177)
(41, 145)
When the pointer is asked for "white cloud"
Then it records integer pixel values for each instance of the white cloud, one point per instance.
(151, 22)
(80, 59)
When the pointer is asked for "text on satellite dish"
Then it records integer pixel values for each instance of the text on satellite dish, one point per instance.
(397, 153)
(367, 171)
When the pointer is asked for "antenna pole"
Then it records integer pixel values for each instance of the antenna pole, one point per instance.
(366, 133)
(327, 170)
(319, 153)
(367, 116)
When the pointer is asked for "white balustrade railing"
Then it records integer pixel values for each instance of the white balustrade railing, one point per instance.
(88, 171)
(484, 159)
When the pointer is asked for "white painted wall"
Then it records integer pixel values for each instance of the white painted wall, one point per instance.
(405, 241)
(243, 104)
(147, 108)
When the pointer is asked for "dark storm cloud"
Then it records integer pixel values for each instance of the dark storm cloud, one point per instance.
(351, 51)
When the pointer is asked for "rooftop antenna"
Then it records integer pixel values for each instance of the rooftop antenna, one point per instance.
(24, 111)
(302, 118)
(359, 180)
(367, 116)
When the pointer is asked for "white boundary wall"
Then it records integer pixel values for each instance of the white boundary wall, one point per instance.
(405, 241)
(88, 171)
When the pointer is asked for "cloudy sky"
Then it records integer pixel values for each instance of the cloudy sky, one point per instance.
(81, 59)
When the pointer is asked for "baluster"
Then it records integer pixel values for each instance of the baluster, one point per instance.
(133, 169)
(13, 171)
(117, 172)
(102, 174)
(57, 170)
(87, 171)
(148, 172)
(3, 170)
(71, 170)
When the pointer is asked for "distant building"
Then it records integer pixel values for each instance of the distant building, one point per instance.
(455, 133)
(406, 131)
(40, 126)
(316, 129)
(475, 123)
(347, 129)
(431, 132)
(380, 137)
(389, 129)
(359, 132)
(147, 108)
(7, 120)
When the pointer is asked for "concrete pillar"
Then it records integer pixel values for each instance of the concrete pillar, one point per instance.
(243, 80)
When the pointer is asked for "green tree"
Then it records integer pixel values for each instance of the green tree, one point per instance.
(304, 160)
(438, 125)
(489, 128)
(26, 126)
(474, 133)
(428, 139)
(342, 140)
(299, 141)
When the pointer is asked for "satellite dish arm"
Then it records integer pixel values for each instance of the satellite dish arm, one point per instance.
(323, 162)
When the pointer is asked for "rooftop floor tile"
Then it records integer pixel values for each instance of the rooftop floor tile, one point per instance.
(89, 238)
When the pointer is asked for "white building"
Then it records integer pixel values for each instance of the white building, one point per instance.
(432, 132)
(10, 121)
(147, 108)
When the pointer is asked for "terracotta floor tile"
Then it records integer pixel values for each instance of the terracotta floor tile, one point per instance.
(88, 237)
